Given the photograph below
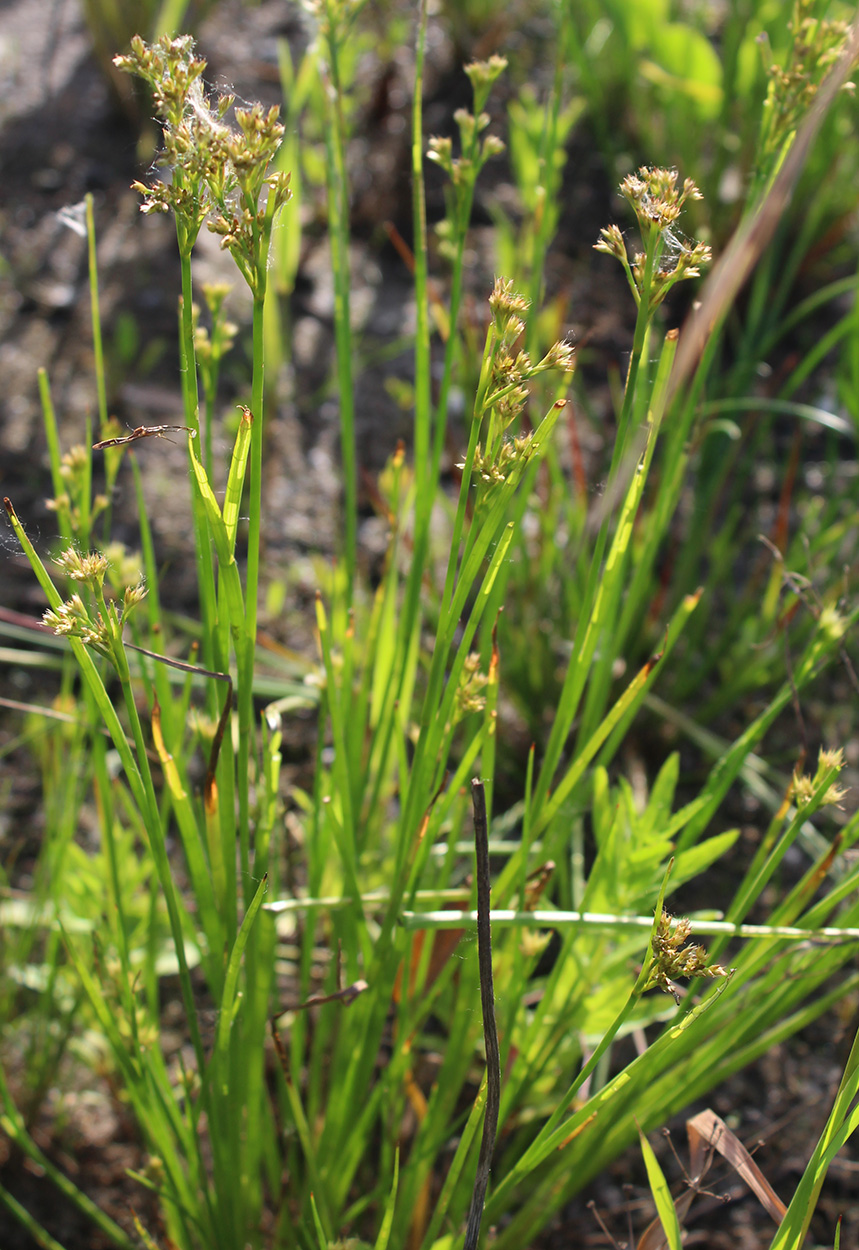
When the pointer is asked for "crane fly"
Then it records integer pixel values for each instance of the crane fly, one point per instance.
(143, 431)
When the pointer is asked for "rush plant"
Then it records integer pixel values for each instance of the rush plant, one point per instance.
(333, 1080)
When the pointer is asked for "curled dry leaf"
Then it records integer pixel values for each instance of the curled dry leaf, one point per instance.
(708, 1133)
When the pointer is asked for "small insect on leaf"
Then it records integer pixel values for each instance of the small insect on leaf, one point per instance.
(144, 431)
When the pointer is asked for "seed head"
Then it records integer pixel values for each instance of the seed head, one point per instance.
(560, 356)
(817, 44)
(73, 461)
(440, 151)
(805, 788)
(215, 170)
(68, 617)
(132, 597)
(508, 308)
(611, 242)
(668, 257)
(468, 695)
(89, 569)
(72, 620)
(169, 67)
(483, 74)
(672, 959)
(832, 623)
(492, 146)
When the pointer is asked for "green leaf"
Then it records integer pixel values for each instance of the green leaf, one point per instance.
(230, 1001)
(644, 20)
(686, 63)
(236, 479)
(697, 859)
(661, 1195)
(385, 1230)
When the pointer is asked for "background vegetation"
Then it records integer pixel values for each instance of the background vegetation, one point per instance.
(625, 629)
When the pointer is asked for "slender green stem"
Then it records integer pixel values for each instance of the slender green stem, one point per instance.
(19, 1212)
(423, 403)
(247, 736)
(257, 435)
(202, 549)
(338, 222)
(548, 175)
(95, 316)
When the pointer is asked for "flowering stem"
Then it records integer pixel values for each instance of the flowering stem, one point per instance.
(212, 658)
(548, 177)
(338, 223)
(423, 405)
(245, 658)
(97, 347)
(643, 319)
(426, 475)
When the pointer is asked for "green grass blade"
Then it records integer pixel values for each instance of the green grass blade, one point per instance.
(388, 1218)
(665, 1208)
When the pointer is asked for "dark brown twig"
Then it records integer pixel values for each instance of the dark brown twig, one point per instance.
(345, 996)
(180, 664)
(209, 790)
(487, 1002)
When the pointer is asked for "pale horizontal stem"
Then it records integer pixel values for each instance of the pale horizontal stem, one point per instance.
(594, 920)
(373, 899)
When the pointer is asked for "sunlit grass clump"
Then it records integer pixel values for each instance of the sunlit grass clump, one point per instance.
(350, 1076)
